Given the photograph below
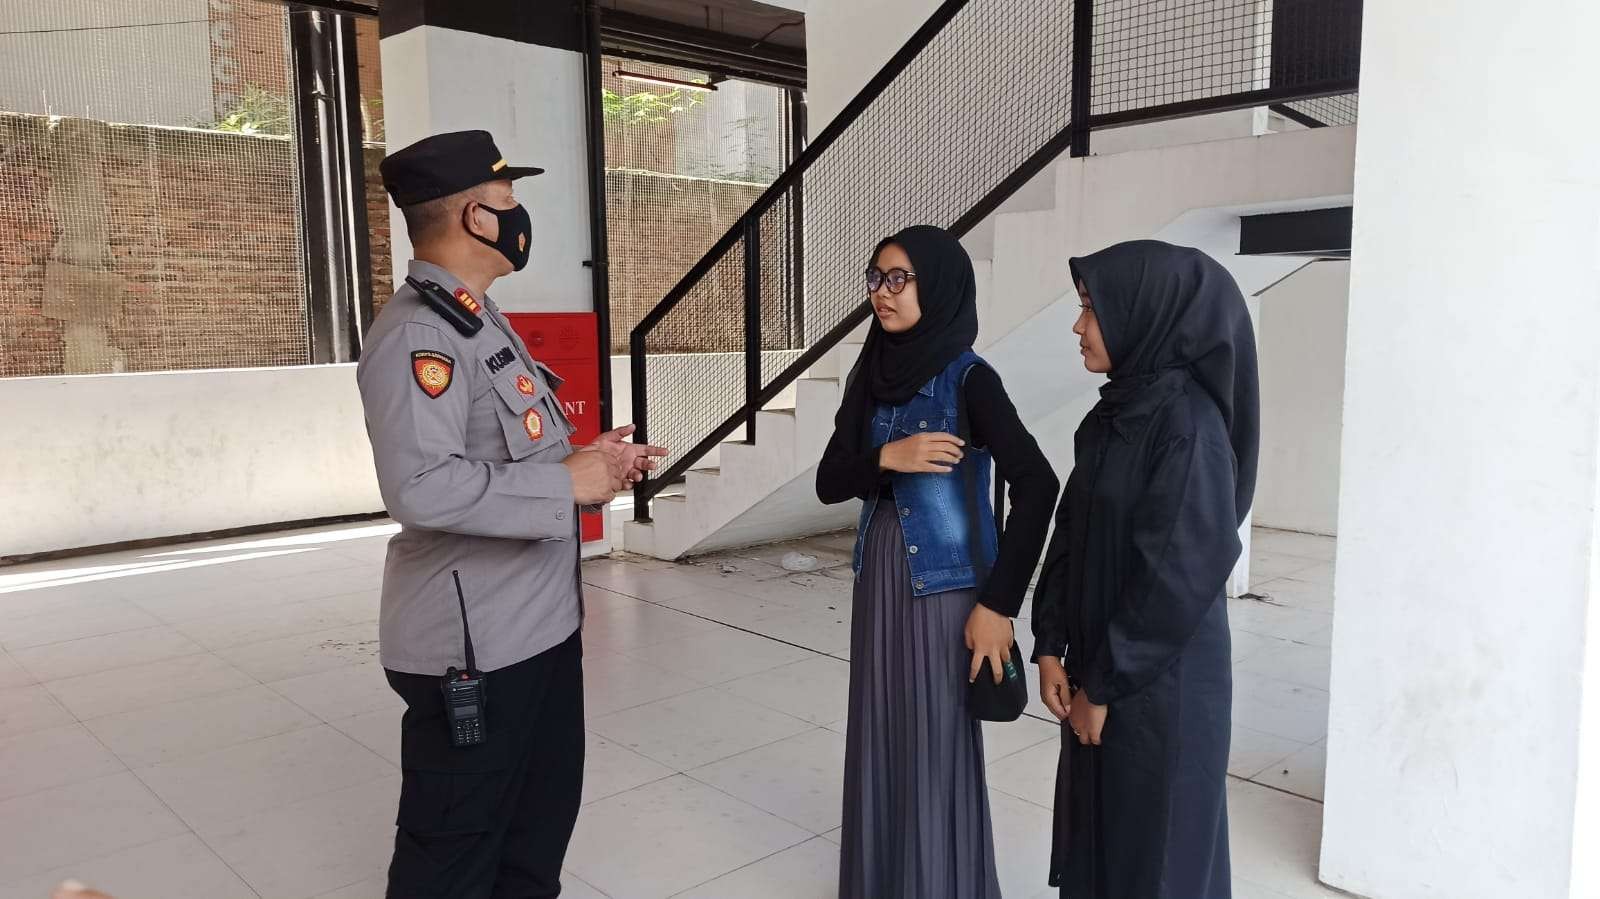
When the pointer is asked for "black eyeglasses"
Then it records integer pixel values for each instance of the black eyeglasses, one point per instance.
(896, 278)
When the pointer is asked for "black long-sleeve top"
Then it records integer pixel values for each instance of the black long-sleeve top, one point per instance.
(996, 427)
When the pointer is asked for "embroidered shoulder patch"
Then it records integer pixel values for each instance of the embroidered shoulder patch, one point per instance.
(432, 370)
(533, 424)
(525, 385)
(467, 302)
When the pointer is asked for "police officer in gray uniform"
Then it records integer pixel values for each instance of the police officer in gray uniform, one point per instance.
(475, 461)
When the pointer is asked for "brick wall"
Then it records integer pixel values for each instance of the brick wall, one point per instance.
(249, 46)
(378, 229)
(658, 228)
(135, 248)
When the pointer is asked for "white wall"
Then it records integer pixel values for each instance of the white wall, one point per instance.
(1301, 345)
(847, 42)
(88, 63)
(1463, 752)
(107, 458)
(531, 98)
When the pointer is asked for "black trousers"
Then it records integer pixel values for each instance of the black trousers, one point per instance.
(491, 821)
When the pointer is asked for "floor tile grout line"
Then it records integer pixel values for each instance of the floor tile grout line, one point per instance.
(193, 832)
(278, 806)
(170, 810)
(718, 688)
(327, 630)
(649, 783)
(12, 651)
(191, 756)
(587, 884)
(990, 762)
(126, 769)
(133, 848)
(806, 830)
(1006, 792)
(716, 761)
(183, 655)
(1275, 789)
(227, 864)
(179, 625)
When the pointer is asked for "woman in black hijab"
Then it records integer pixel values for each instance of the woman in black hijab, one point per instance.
(916, 806)
(1133, 588)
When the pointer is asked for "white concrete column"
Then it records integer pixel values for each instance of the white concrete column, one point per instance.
(515, 70)
(1464, 733)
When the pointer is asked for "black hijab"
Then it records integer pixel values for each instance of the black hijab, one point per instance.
(893, 367)
(1162, 307)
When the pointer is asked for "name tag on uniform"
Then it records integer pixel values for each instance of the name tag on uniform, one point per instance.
(500, 359)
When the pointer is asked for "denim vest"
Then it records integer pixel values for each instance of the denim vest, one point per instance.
(933, 507)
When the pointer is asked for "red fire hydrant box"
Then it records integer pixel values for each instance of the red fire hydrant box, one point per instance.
(570, 345)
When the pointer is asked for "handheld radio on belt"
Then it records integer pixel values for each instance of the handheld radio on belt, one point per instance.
(464, 690)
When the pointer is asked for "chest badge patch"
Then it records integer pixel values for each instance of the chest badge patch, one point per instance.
(467, 302)
(524, 385)
(432, 370)
(533, 424)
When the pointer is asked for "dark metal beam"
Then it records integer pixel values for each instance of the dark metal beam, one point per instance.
(1295, 115)
(675, 44)
(1146, 115)
(345, 7)
(1319, 233)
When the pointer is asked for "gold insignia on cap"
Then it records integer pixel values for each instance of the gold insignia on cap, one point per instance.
(498, 166)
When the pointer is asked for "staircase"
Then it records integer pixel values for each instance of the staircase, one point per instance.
(1000, 154)
(762, 492)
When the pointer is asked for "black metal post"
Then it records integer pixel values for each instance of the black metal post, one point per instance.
(797, 222)
(358, 312)
(599, 247)
(752, 323)
(645, 489)
(322, 65)
(1082, 77)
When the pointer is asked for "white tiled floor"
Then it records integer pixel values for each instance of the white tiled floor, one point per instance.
(210, 721)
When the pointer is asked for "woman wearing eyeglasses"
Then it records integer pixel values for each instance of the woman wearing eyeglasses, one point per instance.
(916, 807)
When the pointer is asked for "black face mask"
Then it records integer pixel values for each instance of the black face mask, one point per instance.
(514, 244)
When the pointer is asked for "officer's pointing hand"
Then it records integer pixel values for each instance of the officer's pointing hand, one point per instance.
(637, 458)
(596, 477)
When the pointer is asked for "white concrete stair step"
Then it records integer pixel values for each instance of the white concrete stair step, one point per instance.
(818, 402)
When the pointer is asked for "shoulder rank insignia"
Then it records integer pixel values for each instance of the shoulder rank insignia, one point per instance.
(453, 309)
(432, 370)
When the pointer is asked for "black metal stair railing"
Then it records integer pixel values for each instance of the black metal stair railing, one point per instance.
(981, 99)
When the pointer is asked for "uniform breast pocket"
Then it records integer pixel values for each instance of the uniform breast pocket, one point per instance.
(525, 420)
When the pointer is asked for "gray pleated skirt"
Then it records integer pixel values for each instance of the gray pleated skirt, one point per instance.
(916, 806)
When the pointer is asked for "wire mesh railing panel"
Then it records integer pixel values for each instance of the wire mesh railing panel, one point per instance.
(1154, 52)
(967, 117)
(782, 315)
(1339, 109)
(149, 210)
(695, 376)
(682, 166)
(988, 92)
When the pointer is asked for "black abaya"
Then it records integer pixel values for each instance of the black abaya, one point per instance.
(1133, 588)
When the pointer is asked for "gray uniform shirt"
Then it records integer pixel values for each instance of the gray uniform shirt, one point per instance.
(468, 439)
